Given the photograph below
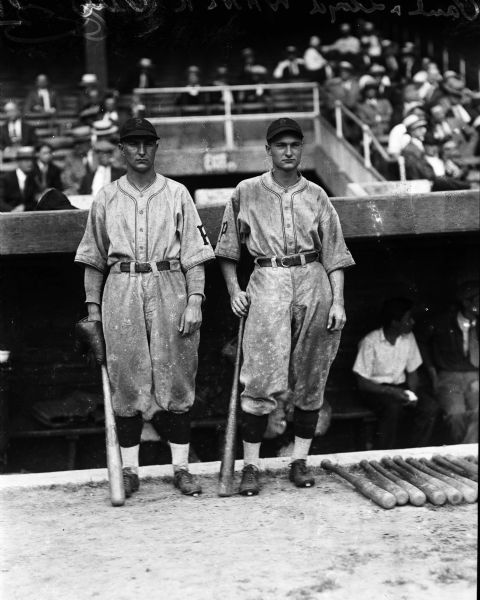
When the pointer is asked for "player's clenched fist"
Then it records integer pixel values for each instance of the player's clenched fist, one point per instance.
(240, 303)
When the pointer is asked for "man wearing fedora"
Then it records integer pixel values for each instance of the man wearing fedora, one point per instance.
(15, 132)
(17, 188)
(416, 164)
(79, 162)
(93, 181)
(143, 250)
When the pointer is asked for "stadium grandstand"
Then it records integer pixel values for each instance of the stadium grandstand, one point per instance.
(390, 107)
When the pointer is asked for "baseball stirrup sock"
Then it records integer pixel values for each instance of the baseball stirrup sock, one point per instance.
(179, 455)
(129, 430)
(305, 423)
(253, 427)
(251, 453)
(301, 448)
(178, 428)
(130, 457)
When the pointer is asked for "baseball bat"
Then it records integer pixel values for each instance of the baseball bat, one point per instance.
(468, 493)
(366, 488)
(467, 466)
(415, 496)
(114, 459)
(464, 480)
(434, 495)
(227, 467)
(400, 494)
(448, 464)
(453, 495)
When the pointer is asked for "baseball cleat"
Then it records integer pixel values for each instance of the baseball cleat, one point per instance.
(186, 483)
(249, 485)
(131, 482)
(299, 474)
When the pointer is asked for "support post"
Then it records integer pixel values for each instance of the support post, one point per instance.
(338, 118)
(229, 137)
(95, 36)
(366, 146)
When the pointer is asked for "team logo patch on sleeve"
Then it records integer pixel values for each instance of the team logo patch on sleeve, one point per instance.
(224, 229)
(204, 235)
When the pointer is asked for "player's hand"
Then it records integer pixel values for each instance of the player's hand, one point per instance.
(336, 317)
(191, 320)
(240, 302)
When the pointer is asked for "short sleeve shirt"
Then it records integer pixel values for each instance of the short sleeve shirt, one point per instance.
(274, 221)
(382, 362)
(158, 223)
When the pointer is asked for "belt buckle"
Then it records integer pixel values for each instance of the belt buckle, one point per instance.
(282, 259)
(273, 260)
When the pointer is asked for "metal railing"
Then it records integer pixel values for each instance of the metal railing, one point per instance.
(368, 139)
(229, 117)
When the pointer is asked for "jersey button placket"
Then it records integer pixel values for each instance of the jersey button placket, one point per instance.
(289, 234)
(141, 229)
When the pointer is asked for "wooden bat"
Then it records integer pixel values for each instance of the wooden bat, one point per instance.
(400, 494)
(434, 495)
(467, 466)
(415, 496)
(367, 488)
(453, 495)
(114, 459)
(452, 466)
(452, 474)
(225, 483)
(468, 493)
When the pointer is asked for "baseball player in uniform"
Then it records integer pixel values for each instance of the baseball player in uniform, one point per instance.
(145, 236)
(294, 299)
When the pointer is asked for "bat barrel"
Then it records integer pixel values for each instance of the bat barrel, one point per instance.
(114, 459)
(227, 466)
(415, 495)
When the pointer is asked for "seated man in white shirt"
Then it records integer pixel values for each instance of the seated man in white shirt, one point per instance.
(105, 173)
(386, 370)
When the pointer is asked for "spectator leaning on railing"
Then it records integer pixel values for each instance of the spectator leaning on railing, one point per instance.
(373, 111)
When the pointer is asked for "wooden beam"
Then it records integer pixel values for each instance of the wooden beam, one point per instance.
(376, 216)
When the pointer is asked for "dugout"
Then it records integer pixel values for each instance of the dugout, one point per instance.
(417, 246)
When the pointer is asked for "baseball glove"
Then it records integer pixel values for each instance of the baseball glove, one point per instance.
(89, 339)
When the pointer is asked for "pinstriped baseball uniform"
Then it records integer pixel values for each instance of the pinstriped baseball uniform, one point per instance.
(287, 348)
(151, 366)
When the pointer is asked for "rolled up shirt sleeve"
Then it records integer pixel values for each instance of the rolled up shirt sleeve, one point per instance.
(195, 279)
(93, 281)
(334, 253)
(93, 249)
(414, 359)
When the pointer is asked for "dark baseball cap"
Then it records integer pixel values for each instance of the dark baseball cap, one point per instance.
(282, 126)
(138, 128)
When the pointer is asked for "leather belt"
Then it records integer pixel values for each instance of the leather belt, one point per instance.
(163, 265)
(292, 260)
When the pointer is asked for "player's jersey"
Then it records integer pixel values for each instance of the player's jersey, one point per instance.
(274, 221)
(159, 223)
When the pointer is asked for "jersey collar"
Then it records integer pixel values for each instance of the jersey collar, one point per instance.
(272, 183)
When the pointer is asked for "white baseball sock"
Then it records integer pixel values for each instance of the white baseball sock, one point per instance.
(179, 456)
(130, 457)
(251, 454)
(301, 448)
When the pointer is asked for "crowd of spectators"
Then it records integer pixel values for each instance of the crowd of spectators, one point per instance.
(413, 109)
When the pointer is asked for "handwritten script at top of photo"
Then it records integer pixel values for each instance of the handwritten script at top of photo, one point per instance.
(457, 9)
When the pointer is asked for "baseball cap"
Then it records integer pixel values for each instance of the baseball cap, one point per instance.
(283, 125)
(138, 128)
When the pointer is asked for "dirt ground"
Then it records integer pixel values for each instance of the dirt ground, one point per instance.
(324, 542)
